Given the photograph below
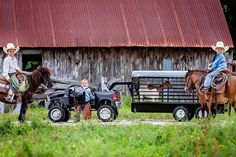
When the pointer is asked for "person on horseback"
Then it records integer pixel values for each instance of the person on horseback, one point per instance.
(10, 66)
(217, 64)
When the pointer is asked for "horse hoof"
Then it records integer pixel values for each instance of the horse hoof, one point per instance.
(21, 118)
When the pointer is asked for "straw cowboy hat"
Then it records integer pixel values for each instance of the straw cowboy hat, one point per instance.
(220, 44)
(10, 46)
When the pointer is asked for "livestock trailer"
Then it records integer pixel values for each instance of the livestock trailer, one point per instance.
(163, 91)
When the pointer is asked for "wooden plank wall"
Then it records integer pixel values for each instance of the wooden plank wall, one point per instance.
(92, 63)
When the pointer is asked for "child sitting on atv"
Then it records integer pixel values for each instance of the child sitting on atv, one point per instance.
(84, 107)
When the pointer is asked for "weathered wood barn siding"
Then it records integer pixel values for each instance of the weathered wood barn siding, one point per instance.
(92, 63)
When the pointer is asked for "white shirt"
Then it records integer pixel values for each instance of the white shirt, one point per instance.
(10, 65)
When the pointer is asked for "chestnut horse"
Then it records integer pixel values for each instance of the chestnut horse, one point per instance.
(193, 80)
(152, 92)
(39, 76)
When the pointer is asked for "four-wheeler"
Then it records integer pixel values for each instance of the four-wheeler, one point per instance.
(60, 103)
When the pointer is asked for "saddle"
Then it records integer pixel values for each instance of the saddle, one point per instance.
(4, 84)
(219, 81)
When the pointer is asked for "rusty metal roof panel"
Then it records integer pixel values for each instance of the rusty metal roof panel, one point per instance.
(112, 23)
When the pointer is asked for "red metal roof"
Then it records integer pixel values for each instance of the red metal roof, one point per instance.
(111, 23)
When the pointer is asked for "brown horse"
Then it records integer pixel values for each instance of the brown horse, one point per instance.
(39, 76)
(152, 92)
(193, 80)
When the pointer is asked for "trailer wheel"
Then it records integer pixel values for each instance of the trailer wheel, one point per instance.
(198, 113)
(106, 113)
(56, 114)
(180, 113)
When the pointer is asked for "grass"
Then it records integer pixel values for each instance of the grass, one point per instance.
(41, 138)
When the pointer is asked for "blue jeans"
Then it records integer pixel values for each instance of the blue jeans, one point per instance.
(208, 78)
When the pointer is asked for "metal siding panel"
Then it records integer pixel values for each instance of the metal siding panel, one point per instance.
(8, 31)
(25, 24)
(111, 23)
(44, 32)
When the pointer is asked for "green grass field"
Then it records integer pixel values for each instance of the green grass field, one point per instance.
(215, 137)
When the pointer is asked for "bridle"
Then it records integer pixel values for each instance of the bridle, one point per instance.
(187, 82)
(45, 81)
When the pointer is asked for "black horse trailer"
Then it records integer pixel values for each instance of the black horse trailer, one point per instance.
(163, 91)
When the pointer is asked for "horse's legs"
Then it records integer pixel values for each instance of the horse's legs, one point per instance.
(203, 110)
(209, 109)
(23, 109)
(214, 109)
(232, 104)
(18, 105)
(229, 108)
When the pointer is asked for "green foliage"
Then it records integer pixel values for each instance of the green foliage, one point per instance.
(229, 7)
(37, 137)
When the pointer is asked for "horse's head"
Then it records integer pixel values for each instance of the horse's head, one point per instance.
(45, 75)
(189, 84)
(191, 79)
(167, 85)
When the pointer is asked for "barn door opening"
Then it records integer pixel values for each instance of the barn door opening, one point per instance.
(31, 61)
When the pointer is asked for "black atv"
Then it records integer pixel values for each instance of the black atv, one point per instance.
(60, 103)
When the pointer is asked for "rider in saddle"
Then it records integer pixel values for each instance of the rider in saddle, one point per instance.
(217, 64)
(10, 66)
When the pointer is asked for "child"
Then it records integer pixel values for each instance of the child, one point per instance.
(10, 66)
(21, 82)
(18, 83)
(86, 107)
(218, 63)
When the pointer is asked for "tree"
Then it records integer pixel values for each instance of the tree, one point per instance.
(229, 7)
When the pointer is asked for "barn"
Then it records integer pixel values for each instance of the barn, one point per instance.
(93, 38)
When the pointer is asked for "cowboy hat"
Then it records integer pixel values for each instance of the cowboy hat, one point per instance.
(220, 44)
(10, 46)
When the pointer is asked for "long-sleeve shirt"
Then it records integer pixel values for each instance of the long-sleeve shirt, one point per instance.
(10, 65)
(219, 62)
(88, 93)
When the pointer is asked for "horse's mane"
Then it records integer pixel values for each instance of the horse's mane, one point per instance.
(35, 79)
(190, 72)
(198, 70)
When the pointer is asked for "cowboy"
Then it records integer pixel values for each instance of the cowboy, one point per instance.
(10, 66)
(218, 63)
